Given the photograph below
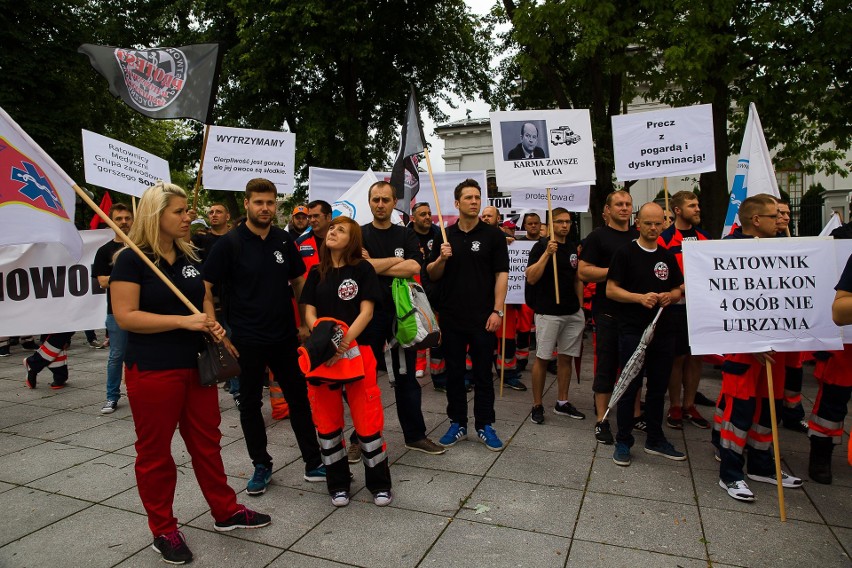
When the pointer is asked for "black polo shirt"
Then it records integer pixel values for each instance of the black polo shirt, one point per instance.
(426, 243)
(205, 243)
(465, 292)
(383, 243)
(175, 349)
(544, 291)
(640, 271)
(102, 265)
(255, 276)
(598, 249)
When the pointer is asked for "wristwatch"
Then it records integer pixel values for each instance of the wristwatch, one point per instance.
(498, 312)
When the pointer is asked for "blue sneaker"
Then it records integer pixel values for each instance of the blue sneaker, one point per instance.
(666, 450)
(489, 437)
(316, 475)
(454, 434)
(621, 455)
(259, 481)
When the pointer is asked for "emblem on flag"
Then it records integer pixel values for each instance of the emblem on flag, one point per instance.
(22, 181)
(154, 77)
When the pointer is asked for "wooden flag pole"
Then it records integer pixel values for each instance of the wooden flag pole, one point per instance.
(133, 200)
(503, 352)
(200, 167)
(88, 201)
(550, 218)
(777, 450)
(435, 194)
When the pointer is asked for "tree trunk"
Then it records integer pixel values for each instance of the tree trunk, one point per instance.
(714, 185)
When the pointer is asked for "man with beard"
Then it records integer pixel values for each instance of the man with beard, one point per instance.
(298, 222)
(309, 244)
(260, 271)
(101, 269)
(686, 370)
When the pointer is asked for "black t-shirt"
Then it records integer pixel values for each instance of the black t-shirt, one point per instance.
(175, 349)
(845, 282)
(640, 271)
(205, 243)
(465, 293)
(255, 276)
(340, 294)
(544, 291)
(598, 249)
(383, 243)
(427, 243)
(102, 266)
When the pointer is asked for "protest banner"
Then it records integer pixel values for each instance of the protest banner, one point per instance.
(43, 290)
(233, 156)
(543, 148)
(115, 165)
(519, 253)
(756, 295)
(329, 185)
(571, 198)
(668, 142)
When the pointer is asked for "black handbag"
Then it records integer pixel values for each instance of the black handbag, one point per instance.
(215, 363)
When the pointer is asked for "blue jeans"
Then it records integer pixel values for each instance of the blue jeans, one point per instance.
(117, 347)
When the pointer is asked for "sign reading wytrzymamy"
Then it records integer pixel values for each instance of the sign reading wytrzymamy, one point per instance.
(660, 143)
(119, 166)
(519, 254)
(756, 295)
(574, 198)
(43, 290)
(543, 148)
(236, 155)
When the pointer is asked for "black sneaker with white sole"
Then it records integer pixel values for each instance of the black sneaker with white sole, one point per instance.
(569, 410)
(244, 518)
(173, 548)
(537, 414)
(603, 434)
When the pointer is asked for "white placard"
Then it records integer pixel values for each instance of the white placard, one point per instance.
(236, 155)
(43, 291)
(842, 251)
(660, 143)
(543, 148)
(755, 295)
(519, 254)
(329, 185)
(571, 198)
(121, 167)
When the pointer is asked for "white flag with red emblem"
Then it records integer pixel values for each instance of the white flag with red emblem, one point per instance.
(36, 196)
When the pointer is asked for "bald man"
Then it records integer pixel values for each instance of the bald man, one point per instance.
(644, 277)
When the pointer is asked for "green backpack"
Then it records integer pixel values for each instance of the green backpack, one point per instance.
(415, 325)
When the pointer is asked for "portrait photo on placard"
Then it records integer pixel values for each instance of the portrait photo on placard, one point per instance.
(525, 139)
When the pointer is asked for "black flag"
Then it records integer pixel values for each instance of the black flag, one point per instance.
(165, 82)
(404, 176)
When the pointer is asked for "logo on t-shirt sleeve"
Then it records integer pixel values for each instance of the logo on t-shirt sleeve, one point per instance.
(347, 290)
(661, 271)
(399, 253)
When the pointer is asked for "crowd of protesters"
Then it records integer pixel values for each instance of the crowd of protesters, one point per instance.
(310, 308)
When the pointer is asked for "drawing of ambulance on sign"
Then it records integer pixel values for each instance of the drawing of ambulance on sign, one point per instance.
(563, 135)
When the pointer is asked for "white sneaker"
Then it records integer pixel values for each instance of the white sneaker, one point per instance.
(419, 373)
(383, 498)
(340, 499)
(738, 490)
(787, 480)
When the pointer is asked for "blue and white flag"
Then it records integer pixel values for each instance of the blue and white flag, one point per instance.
(755, 173)
(355, 203)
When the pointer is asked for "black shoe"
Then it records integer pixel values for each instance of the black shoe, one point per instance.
(800, 426)
(537, 414)
(702, 400)
(515, 384)
(639, 423)
(245, 518)
(569, 410)
(173, 548)
(5, 351)
(603, 434)
(31, 375)
(30, 345)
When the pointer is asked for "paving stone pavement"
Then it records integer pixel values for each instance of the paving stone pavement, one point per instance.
(553, 497)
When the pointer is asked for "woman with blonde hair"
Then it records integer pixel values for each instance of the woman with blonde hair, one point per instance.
(163, 387)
